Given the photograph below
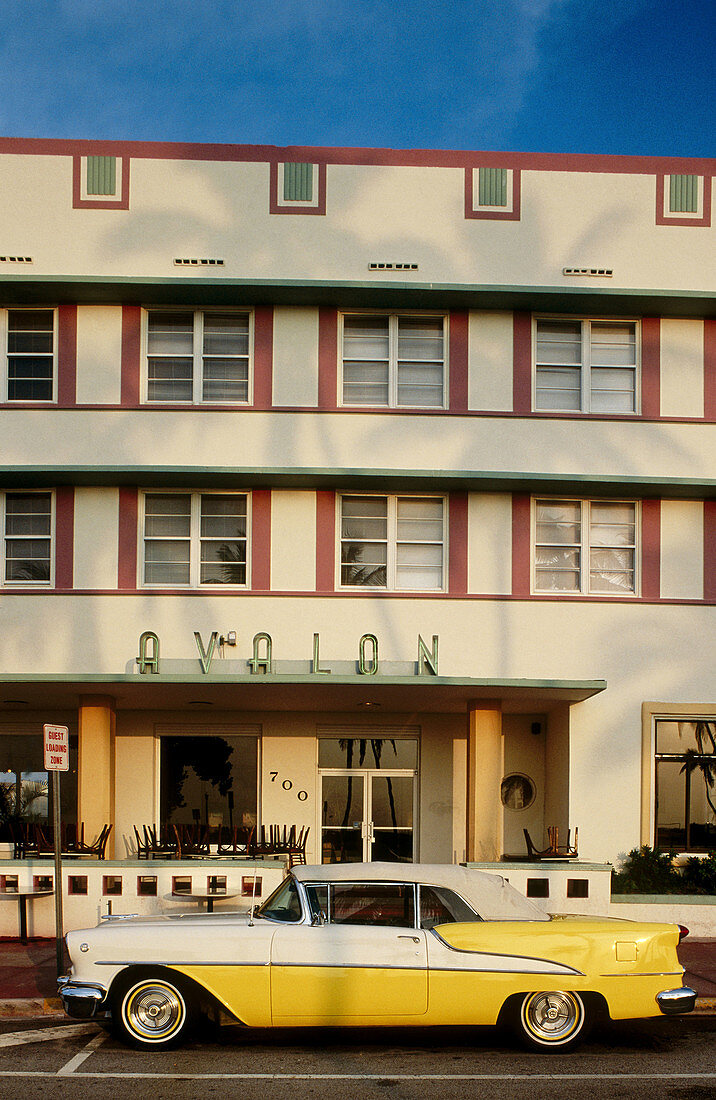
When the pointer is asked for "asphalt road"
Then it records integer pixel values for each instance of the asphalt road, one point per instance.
(58, 1058)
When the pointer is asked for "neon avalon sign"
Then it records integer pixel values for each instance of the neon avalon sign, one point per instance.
(262, 661)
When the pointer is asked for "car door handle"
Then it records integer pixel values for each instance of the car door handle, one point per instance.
(415, 939)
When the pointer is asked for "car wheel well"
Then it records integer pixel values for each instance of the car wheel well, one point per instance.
(594, 1003)
(204, 1002)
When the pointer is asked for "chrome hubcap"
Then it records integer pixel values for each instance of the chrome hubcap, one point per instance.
(552, 1017)
(153, 1010)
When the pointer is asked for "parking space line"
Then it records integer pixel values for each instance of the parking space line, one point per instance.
(74, 1063)
(387, 1076)
(45, 1035)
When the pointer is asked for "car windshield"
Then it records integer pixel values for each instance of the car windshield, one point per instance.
(284, 904)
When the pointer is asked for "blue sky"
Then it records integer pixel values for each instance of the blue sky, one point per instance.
(582, 76)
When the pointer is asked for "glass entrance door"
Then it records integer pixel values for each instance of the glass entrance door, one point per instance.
(367, 815)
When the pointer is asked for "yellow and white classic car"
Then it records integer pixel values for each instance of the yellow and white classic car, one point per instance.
(376, 944)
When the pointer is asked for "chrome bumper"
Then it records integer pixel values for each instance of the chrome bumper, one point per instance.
(79, 999)
(672, 1001)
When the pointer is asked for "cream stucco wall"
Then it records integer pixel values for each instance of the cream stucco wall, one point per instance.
(682, 367)
(295, 356)
(489, 520)
(682, 549)
(99, 354)
(490, 355)
(293, 541)
(96, 537)
(375, 213)
(359, 440)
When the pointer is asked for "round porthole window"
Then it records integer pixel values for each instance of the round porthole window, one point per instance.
(517, 791)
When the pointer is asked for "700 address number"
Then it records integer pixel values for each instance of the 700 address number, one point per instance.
(287, 785)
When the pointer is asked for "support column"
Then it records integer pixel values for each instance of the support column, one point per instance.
(95, 766)
(484, 775)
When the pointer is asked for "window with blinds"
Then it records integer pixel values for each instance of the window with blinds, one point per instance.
(30, 354)
(196, 357)
(395, 543)
(586, 366)
(585, 547)
(392, 361)
(27, 537)
(195, 539)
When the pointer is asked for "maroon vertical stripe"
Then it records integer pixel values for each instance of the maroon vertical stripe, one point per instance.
(651, 549)
(67, 355)
(325, 540)
(710, 550)
(651, 367)
(131, 342)
(710, 368)
(64, 536)
(261, 540)
(521, 544)
(457, 570)
(327, 358)
(459, 321)
(263, 357)
(522, 362)
(127, 551)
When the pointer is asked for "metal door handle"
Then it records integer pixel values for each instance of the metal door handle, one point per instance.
(415, 939)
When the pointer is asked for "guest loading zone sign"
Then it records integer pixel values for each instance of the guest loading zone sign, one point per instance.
(261, 662)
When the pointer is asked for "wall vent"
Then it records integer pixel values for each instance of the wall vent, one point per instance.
(392, 267)
(605, 272)
(15, 259)
(181, 262)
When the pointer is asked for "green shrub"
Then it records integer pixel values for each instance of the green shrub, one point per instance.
(699, 875)
(646, 871)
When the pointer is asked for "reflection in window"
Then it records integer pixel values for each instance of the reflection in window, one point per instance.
(373, 903)
(25, 796)
(363, 752)
(209, 781)
(686, 785)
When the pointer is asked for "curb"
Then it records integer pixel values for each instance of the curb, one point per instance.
(19, 1008)
(15, 1008)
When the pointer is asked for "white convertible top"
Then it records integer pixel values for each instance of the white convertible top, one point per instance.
(491, 896)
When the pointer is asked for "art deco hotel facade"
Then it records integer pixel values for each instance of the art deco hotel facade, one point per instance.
(360, 490)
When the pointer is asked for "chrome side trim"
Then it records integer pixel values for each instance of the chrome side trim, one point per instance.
(175, 962)
(560, 968)
(649, 974)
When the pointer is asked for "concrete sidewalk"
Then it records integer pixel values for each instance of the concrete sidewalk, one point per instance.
(28, 986)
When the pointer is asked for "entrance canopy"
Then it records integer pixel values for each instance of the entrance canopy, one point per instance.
(275, 692)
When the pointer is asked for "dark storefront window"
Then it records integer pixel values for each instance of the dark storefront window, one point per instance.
(686, 785)
(25, 786)
(208, 780)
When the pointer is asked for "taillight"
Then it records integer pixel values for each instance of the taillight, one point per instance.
(683, 932)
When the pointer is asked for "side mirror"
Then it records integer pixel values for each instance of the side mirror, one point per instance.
(318, 918)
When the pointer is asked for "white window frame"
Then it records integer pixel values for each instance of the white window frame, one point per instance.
(391, 543)
(305, 204)
(585, 367)
(4, 350)
(197, 358)
(52, 537)
(585, 549)
(393, 320)
(490, 208)
(194, 540)
(688, 215)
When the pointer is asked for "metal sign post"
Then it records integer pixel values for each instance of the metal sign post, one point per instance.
(57, 759)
